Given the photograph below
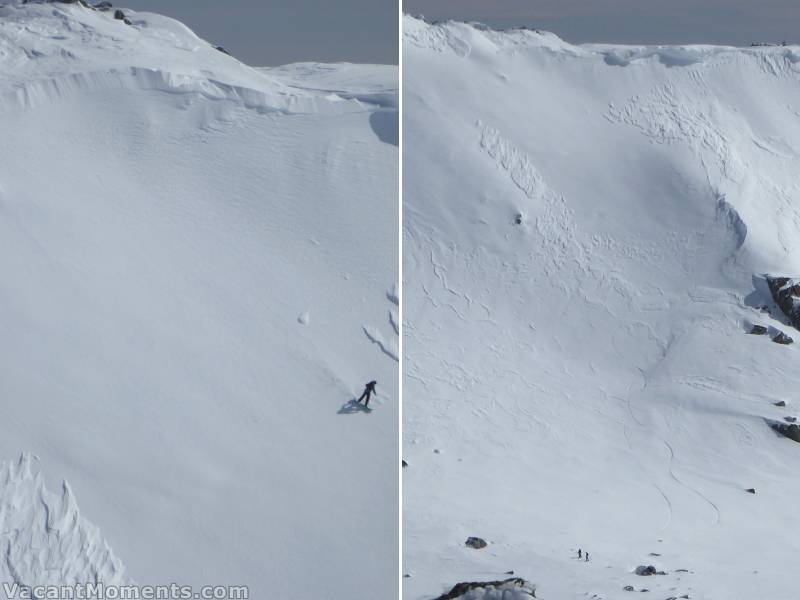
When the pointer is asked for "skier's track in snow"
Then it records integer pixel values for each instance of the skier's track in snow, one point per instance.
(671, 453)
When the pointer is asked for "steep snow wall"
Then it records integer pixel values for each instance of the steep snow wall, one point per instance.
(198, 261)
(586, 229)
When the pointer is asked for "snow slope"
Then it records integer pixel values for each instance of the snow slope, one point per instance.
(192, 254)
(585, 233)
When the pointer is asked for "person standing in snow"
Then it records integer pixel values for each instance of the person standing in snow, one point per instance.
(579, 553)
(587, 557)
(369, 389)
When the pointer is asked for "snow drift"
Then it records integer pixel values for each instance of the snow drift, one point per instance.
(587, 230)
(192, 252)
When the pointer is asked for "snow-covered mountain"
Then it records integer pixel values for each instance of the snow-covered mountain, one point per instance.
(586, 231)
(198, 266)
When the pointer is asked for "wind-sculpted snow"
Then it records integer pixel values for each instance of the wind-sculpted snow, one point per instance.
(459, 38)
(50, 51)
(516, 164)
(44, 539)
(36, 93)
(585, 232)
(371, 84)
(390, 347)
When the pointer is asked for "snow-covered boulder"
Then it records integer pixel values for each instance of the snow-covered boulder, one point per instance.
(514, 588)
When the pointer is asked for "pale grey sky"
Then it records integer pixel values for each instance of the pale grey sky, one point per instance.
(275, 32)
(732, 22)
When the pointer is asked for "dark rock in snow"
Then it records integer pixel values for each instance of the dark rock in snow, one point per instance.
(221, 49)
(758, 330)
(81, 2)
(518, 219)
(790, 419)
(751, 490)
(127, 21)
(780, 403)
(786, 293)
(119, 15)
(790, 431)
(462, 588)
(628, 588)
(782, 338)
(476, 542)
(103, 6)
(648, 570)
(405, 464)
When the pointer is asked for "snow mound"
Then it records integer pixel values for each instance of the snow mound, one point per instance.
(44, 538)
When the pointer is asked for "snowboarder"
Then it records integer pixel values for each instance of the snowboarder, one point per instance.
(369, 389)
(579, 553)
(587, 557)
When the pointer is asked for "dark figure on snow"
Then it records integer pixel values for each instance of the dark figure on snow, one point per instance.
(587, 557)
(579, 553)
(369, 389)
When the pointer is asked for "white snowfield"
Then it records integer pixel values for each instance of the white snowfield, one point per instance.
(585, 232)
(196, 260)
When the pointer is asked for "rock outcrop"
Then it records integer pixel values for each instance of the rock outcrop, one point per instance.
(782, 338)
(476, 542)
(786, 294)
(791, 431)
(523, 588)
(647, 570)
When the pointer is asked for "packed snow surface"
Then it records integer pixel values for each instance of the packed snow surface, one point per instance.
(585, 234)
(197, 275)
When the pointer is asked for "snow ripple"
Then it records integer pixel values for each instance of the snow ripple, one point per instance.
(37, 93)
